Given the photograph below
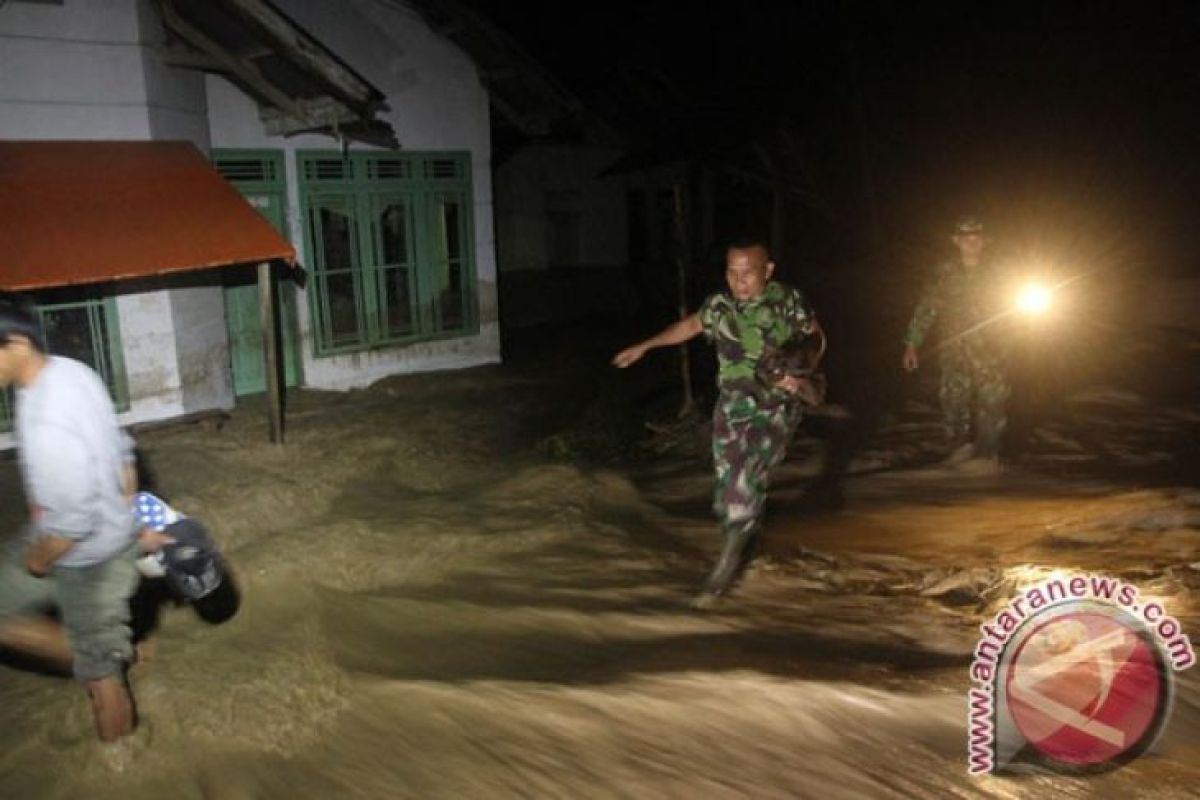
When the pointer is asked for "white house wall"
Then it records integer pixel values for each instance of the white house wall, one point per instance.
(175, 101)
(202, 347)
(91, 71)
(151, 365)
(437, 103)
(177, 108)
(72, 71)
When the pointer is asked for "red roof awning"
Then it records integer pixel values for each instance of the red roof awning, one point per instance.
(87, 212)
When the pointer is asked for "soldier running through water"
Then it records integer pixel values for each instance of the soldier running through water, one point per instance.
(765, 376)
(961, 298)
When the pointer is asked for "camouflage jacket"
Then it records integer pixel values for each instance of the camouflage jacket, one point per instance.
(759, 340)
(960, 299)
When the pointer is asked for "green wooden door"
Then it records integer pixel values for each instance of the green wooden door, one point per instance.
(258, 175)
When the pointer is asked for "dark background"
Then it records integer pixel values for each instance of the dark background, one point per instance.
(1071, 128)
(1066, 124)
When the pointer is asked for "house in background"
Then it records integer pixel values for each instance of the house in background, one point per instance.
(590, 197)
(353, 128)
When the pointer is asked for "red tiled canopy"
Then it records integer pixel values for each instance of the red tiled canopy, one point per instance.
(86, 212)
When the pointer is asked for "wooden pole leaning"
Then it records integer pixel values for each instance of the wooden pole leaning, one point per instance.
(271, 335)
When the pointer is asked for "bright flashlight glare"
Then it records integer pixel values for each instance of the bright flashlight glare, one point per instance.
(1033, 299)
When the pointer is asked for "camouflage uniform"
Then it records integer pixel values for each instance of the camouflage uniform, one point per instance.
(753, 421)
(962, 299)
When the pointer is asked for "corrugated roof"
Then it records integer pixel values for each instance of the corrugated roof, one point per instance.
(88, 212)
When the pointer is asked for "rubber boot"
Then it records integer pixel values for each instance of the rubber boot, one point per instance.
(727, 568)
(987, 438)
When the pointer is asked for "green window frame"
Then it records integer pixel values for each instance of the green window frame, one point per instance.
(390, 241)
(260, 177)
(250, 170)
(85, 330)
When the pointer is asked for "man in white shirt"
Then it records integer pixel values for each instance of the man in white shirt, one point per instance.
(79, 552)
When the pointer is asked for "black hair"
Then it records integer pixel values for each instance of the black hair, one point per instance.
(747, 240)
(17, 317)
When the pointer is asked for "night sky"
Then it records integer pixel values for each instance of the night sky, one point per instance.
(1074, 124)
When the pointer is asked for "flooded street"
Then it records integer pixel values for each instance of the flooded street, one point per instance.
(436, 324)
(436, 607)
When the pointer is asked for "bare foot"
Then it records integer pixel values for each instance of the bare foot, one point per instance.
(112, 707)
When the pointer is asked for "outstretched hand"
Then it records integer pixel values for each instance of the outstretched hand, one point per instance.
(629, 355)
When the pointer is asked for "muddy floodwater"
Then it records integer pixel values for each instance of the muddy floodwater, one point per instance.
(436, 603)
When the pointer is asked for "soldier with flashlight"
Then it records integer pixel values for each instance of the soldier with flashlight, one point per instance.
(974, 391)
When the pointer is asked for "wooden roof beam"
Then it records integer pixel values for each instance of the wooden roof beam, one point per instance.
(308, 53)
(246, 71)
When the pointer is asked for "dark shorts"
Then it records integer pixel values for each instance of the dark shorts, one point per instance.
(93, 602)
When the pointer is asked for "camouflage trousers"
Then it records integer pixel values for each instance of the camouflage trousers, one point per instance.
(749, 439)
(973, 386)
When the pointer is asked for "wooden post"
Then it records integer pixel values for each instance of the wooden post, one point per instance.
(270, 333)
(681, 257)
